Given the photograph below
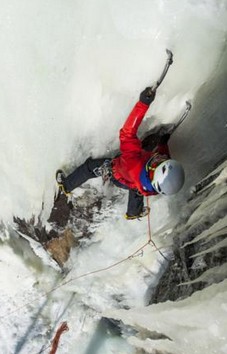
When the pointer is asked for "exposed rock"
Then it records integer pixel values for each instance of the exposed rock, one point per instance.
(60, 247)
(200, 241)
(70, 223)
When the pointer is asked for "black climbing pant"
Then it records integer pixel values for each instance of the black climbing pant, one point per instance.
(83, 173)
(88, 170)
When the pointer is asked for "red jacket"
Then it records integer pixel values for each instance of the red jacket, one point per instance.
(128, 166)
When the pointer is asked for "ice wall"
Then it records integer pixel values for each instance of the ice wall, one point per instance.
(71, 71)
(195, 325)
(187, 312)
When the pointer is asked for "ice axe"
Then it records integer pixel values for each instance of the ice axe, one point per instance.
(183, 117)
(169, 61)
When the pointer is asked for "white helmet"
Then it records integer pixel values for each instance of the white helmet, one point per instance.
(168, 177)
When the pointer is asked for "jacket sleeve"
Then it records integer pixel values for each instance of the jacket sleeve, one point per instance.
(129, 141)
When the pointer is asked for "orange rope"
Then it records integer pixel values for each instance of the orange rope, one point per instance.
(149, 222)
(63, 327)
(149, 234)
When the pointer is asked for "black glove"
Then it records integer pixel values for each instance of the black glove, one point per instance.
(147, 96)
(164, 139)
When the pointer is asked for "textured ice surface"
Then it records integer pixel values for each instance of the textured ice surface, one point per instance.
(70, 73)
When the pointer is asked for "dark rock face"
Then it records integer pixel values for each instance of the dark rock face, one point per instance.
(59, 217)
(200, 241)
(71, 223)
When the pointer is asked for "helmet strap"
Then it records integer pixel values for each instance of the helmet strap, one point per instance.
(154, 161)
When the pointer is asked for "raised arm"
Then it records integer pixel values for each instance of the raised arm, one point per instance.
(129, 141)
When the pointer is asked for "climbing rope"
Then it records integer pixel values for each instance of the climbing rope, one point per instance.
(63, 327)
(150, 241)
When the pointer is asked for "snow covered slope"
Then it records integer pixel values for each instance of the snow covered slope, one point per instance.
(70, 73)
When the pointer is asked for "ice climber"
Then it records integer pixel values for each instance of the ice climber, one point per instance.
(142, 172)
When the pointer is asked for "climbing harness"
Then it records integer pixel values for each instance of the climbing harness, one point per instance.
(104, 171)
(153, 163)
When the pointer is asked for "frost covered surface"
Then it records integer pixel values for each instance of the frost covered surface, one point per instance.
(70, 73)
(196, 321)
(197, 324)
(73, 71)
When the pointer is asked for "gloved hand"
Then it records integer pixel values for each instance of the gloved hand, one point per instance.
(164, 139)
(147, 96)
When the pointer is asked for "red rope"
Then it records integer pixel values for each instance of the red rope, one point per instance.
(63, 327)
